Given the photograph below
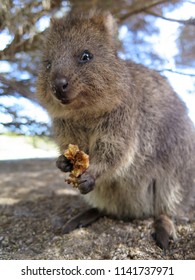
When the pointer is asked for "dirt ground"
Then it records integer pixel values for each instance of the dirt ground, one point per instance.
(35, 203)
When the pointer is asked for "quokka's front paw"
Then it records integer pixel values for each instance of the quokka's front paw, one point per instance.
(86, 183)
(64, 164)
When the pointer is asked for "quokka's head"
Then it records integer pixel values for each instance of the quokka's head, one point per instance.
(79, 63)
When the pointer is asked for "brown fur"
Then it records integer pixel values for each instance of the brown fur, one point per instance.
(128, 119)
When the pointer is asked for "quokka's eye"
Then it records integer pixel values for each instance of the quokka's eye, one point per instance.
(47, 64)
(85, 56)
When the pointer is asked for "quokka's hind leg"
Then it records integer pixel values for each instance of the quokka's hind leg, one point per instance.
(164, 231)
(82, 220)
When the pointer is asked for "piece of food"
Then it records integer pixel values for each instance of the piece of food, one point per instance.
(80, 162)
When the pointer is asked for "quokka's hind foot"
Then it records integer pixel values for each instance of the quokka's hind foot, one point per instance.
(164, 231)
(82, 220)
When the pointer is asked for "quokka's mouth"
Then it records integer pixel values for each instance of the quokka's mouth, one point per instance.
(65, 101)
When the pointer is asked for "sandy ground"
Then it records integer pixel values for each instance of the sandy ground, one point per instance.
(35, 203)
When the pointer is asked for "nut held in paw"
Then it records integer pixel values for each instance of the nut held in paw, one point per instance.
(80, 162)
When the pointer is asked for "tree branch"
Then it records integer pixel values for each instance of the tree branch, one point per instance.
(190, 21)
(138, 7)
(18, 87)
(177, 72)
(20, 46)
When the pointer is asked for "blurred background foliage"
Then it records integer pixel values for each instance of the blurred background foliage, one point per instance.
(22, 27)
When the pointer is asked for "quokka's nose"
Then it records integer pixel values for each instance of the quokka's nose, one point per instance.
(61, 86)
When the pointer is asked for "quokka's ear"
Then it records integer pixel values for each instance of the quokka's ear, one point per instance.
(106, 20)
(57, 24)
(110, 24)
(52, 21)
